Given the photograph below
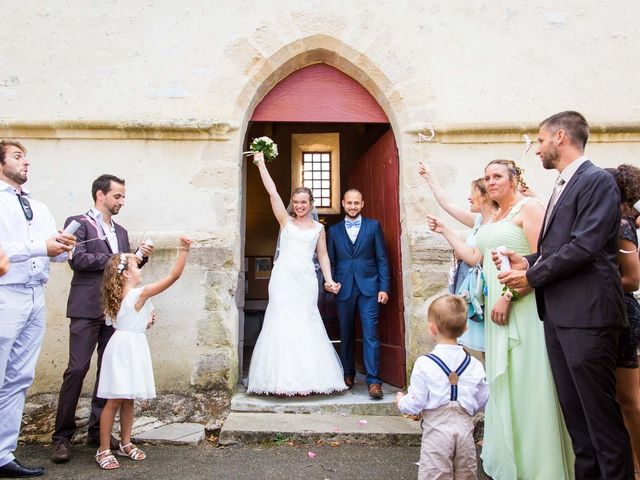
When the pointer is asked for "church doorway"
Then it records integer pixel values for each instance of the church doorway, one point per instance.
(332, 135)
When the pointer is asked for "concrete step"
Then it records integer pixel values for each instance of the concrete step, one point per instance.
(251, 427)
(172, 434)
(351, 402)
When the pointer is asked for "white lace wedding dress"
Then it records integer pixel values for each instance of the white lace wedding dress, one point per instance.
(293, 354)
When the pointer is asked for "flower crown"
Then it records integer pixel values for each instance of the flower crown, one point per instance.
(122, 264)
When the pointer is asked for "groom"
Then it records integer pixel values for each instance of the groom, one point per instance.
(579, 296)
(359, 264)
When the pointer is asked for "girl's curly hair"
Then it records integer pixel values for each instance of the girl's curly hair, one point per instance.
(113, 283)
(514, 171)
(628, 180)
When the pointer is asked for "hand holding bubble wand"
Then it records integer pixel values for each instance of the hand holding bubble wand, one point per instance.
(422, 138)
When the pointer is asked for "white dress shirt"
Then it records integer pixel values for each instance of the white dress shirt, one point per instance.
(24, 241)
(108, 229)
(353, 231)
(570, 170)
(430, 387)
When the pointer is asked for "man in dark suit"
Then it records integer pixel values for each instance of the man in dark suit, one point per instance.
(359, 264)
(99, 237)
(579, 296)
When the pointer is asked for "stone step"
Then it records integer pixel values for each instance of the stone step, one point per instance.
(351, 402)
(172, 434)
(250, 427)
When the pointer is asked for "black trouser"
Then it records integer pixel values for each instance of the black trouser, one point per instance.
(583, 362)
(84, 335)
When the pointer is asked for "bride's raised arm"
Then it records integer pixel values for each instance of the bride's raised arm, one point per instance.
(279, 210)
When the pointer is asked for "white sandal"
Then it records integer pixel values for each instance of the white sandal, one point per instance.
(108, 462)
(134, 454)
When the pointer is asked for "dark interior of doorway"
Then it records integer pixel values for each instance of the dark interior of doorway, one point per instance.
(262, 228)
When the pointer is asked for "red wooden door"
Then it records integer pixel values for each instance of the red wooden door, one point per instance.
(376, 175)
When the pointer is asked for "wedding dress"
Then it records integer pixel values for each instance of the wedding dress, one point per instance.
(293, 354)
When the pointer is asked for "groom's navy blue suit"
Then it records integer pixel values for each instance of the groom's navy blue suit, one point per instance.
(362, 269)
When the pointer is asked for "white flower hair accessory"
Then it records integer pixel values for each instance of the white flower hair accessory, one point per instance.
(122, 264)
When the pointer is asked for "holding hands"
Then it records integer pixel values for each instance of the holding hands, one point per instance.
(332, 287)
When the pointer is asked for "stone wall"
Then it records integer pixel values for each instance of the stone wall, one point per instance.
(162, 94)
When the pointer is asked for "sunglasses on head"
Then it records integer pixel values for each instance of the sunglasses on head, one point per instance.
(26, 207)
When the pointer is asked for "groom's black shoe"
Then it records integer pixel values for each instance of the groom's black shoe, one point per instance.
(375, 391)
(14, 469)
(349, 381)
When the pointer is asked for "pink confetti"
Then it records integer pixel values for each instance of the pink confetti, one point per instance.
(311, 455)
(362, 422)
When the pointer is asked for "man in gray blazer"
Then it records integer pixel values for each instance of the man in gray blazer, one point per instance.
(99, 237)
(579, 296)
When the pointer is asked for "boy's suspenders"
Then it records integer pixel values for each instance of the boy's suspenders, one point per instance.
(453, 376)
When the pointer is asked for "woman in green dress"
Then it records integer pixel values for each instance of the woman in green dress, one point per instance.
(524, 432)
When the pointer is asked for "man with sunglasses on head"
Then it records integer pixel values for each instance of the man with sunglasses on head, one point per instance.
(99, 237)
(30, 240)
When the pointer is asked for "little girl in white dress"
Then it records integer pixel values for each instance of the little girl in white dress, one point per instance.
(127, 372)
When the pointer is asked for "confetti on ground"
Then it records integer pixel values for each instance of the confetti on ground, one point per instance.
(362, 422)
(311, 455)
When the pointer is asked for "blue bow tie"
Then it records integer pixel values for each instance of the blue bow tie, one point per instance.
(352, 224)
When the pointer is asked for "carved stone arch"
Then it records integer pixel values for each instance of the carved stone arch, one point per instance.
(266, 73)
(320, 49)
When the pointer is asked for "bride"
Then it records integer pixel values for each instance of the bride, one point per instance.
(293, 354)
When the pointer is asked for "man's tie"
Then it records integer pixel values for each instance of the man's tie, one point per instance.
(352, 224)
(557, 188)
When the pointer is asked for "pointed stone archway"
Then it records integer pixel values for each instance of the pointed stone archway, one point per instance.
(319, 96)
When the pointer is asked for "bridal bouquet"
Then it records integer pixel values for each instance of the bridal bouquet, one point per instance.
(266, 146)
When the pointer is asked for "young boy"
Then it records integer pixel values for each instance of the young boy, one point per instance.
(448, 387)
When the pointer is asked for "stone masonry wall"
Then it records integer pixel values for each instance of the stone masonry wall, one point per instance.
(161, 93)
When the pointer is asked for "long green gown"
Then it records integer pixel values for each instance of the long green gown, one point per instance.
(525, 436)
